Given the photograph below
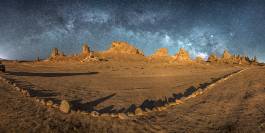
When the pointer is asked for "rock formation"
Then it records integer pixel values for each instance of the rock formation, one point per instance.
(199, 59)
(55, 53)
(124, 48)
(255, 59)
(61, 54)
(162, 52)
(182, 55)
(226, 55)
(244, 60)
(227, 58)
(212, 58)
(85, 50)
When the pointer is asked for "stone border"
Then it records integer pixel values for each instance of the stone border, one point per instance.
(65, 106)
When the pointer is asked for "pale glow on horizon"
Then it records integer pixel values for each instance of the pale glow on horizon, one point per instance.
(3, 56)
(203, 55)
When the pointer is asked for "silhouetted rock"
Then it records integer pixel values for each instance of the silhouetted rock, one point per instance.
(124, 47)
(255, 59)
(244, 60)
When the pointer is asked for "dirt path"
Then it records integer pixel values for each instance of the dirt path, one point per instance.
(235, 105)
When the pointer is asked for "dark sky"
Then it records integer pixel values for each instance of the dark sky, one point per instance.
(32, 27)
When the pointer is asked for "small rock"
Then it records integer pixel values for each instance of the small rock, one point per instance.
(42, 101)
(166, 105)
(130, 114)
(178, 101)
(113, 115)
(147, 110)
(105, 115)
(95, 114)
(163, 107)
(84, 113)
(155, 109)
(65, 106)
(55, 106)
(17, 89)
(139, 111)
(49, 103)
(172, 104)
(37, 100)
(123, 116)
(73, 111)
(159, 109)
(27, 94)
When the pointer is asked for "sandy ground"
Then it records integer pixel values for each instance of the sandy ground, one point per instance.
(113, 86)
(235, 105)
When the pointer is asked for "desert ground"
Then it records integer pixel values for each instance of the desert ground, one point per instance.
(122, 90)
(234, 105)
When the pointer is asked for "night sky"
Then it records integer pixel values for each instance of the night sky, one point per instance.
(30, 28)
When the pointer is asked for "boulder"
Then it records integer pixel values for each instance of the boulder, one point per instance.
(124, 48)
(123, 116)
(95, 114)
(65, 106)
(49, 103)
(138, 111)
(177, 101)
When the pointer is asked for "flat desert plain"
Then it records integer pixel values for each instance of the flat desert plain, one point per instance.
(232, 100)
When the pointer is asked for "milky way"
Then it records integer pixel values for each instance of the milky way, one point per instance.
(31, 28)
